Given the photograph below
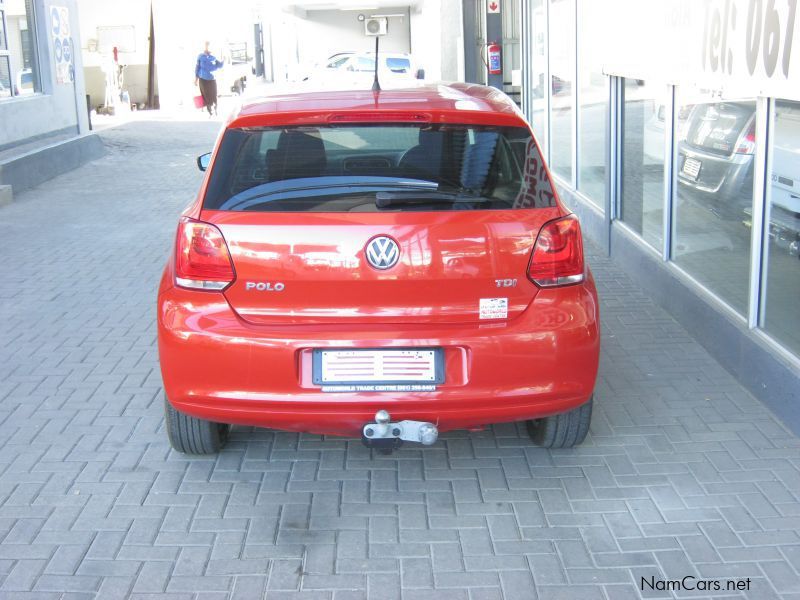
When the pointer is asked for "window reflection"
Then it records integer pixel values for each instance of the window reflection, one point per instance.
(537, 64)
(593, 108)
(783, 247)
(18, 64)
(562, 65)
(715, 193)
(5, 77)
(643, 119)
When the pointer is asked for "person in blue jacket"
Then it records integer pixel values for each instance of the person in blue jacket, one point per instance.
(207, 63)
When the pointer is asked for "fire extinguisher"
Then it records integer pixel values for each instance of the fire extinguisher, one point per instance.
(495, 62)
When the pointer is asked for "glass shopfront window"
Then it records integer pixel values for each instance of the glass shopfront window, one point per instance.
(593, 104)
(714, 192)
(782, 247)
(562, 67)
(642, 194)
(538, 59)
(19, 73)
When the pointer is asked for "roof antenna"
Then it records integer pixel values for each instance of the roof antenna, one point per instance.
(376, 86)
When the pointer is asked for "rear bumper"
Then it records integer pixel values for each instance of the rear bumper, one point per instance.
(215, 366)
(724, 178)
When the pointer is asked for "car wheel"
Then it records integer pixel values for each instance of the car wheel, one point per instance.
(191, 435)
(562, 431)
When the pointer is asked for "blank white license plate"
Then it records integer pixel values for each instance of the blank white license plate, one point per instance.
(368, 366)
(691, 168)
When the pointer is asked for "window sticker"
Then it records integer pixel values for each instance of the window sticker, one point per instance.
(494, 308)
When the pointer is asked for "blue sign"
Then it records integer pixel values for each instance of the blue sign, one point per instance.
(56, 20)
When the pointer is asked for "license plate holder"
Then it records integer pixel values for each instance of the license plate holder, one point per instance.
(378, 367)
(691, 168)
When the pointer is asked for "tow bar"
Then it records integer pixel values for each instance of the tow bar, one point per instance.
(386, 437)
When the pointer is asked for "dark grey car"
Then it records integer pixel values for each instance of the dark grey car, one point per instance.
(716, 157)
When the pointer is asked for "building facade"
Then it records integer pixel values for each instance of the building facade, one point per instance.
(673, 129)
(42, 99)
(41, 77)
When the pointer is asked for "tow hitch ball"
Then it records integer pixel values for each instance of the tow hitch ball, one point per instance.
(386, 436)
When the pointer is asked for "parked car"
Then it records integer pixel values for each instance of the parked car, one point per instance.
(716, 162)
(559, 87)
(784, 226)
(24, 84)
(786, 159)
(715, 159)
(654, 131)
(358, 69)
(387, 266)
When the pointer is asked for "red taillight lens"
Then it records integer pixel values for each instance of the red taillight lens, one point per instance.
(748, 143)
(557, 257)
(202, 260)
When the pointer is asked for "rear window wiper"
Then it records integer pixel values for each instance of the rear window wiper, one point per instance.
(387, 199)
(317, 186)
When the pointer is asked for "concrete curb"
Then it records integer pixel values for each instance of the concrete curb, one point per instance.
(6, 195)
(32, 168)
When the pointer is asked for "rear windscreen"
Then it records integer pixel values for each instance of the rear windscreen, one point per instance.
(716, 127)
(386, 167)
(398, 65)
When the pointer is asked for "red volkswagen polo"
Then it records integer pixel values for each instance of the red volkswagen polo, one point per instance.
(387, 265)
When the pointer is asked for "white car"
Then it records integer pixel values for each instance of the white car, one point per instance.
(24, 84)
(358, 69)
(654, 131)
(786, 160)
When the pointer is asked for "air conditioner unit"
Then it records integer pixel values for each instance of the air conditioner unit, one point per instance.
(376, 26)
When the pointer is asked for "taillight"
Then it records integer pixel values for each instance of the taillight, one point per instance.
(748, 143)
(557, 257)
(202, 260)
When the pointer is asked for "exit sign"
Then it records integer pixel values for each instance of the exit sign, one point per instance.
(493, 7)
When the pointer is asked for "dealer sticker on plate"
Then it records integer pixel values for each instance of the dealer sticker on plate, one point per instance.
(494, 308)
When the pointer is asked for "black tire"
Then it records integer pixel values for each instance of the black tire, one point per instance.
(191, 435)
(562, 431)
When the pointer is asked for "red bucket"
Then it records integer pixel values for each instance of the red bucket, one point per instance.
(198, 102)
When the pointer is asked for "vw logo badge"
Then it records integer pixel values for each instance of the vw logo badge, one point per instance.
(382, 252)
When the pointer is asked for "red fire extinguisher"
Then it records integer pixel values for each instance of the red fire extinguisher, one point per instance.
(495, 62)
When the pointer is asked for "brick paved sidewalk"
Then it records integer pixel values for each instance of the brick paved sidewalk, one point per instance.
(684, 473)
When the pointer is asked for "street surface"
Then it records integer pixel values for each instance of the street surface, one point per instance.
(683, 473)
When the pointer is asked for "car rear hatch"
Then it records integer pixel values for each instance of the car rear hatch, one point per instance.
(452, 266)
(456, 210)
(717, 127)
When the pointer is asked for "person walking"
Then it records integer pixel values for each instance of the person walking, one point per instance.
(207, 63)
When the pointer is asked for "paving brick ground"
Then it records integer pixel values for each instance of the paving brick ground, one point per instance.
(684, 473)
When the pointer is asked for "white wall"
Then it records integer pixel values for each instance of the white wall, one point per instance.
(426, 38)
(133, 14)
(101, 13)
(451, 43)
(281, 34)
(686, 41)
(61, 107)
(294, 38)
(325, 32)
(182, 26)
(437, 39)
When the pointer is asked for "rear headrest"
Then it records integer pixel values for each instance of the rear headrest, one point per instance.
(430, 138)
(299, 153)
